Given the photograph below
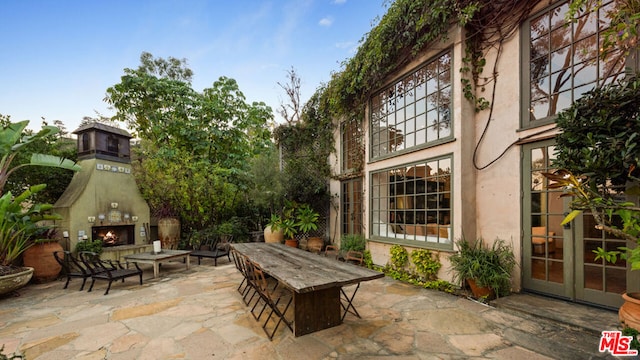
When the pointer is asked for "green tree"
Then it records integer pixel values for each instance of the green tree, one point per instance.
(196, 146)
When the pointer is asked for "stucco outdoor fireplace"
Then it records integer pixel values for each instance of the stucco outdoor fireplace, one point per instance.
(102, 202)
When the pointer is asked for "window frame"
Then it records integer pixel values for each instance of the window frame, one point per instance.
(414, 240)
(352, 150)
(526, 61)
(414, 123)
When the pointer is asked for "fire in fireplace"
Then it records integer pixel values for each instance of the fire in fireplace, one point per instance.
(114, 235)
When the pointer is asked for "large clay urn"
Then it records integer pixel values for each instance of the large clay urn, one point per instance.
(271, 236)
(169, 232)
(40, 257)
(629, 313)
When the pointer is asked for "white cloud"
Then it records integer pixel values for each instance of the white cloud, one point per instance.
(327, 21)
(339, 2)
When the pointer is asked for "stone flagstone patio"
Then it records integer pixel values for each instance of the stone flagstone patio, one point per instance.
(198, 314)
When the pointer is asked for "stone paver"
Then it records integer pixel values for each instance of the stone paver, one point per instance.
(198, 314)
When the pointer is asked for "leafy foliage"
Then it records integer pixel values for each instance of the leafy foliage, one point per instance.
(354, 242)
(18, 151)
(635, 344)
(306, 146)
(598, 156)
(89, 245)
(20, 214)
(399, 256)
(600, 134)
(424, 272)
(196, 148)
(488, 266)
(425, 263)
(406, 29)
(57, 179)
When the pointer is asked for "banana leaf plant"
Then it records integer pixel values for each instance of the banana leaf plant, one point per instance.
(19, 217)
(13, 140)
(19, 223)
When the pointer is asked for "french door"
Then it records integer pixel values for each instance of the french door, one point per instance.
(559, 260)
(352, 209)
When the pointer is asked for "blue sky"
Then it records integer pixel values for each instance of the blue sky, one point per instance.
(59, 56)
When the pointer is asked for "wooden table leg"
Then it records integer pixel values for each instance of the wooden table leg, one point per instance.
(156, 266)
(316, 310)
(188, 261)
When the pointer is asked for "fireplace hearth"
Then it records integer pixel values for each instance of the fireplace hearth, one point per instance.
(114, 235)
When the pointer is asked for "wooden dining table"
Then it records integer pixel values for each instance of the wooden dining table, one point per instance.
(315, 281)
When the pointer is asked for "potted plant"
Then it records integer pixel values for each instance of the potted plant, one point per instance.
(40, 256)
(18, 221)
(289, 229)
(18, 216)
(486, 269)
(168, 225)
(272, 232)
(307, 221)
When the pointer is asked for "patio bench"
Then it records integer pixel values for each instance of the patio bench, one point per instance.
(214, 249)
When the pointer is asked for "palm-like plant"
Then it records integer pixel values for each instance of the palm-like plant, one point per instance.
(307, 219)
(18, 217)
(12, 141)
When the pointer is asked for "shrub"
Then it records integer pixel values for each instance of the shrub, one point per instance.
(354, 242)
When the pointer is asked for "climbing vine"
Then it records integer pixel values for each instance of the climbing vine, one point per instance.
(424, 272)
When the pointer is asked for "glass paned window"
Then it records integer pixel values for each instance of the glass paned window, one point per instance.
(352, 153)
(413, 202)
(565, 60)
(414, 111)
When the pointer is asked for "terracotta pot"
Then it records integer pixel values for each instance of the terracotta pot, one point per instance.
(315, 242)
(15, 281)
(169, 232)
(291, 242)
(629, 313)
(271, 236)
(40, 258)
(480, 292)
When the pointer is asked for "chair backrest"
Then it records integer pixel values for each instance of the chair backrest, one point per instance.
(69, 262)
(93, 262)
(354, 257)
(331, 251)
(236, 259)
(224, 242)
(261, 280)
